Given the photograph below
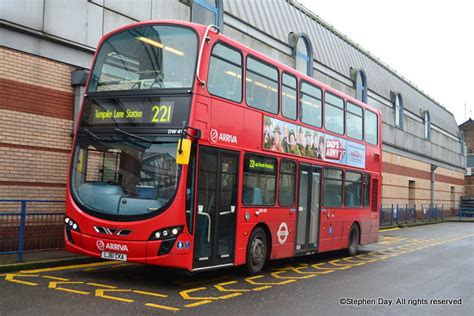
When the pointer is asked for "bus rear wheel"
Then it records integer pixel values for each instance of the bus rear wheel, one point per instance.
(257, 249)
(354, 235)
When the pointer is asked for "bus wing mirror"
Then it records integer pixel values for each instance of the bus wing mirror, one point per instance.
(183, 151)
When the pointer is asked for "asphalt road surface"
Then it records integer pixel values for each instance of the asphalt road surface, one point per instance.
(425, 270)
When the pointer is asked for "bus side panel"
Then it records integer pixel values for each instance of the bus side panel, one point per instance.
(280, 222)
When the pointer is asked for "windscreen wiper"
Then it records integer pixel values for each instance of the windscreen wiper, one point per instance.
(97, 138)
(121, 131)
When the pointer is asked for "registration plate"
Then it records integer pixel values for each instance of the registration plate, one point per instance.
(113, 256)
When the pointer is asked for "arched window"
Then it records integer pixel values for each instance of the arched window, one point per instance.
(398, 106)
(359, 77)
(207, 12)
(427, 122)
(302, 52)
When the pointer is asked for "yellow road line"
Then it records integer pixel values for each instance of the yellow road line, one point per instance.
(54, 285)
(388, 229)
(101, 293)
(70, 267)
(220, 287)
(198, 303)
(54, 278)
(11, 278)
(174, 309)
(149, 293)
(102, 285)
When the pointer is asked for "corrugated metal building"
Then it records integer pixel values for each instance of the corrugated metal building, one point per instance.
(44, 42)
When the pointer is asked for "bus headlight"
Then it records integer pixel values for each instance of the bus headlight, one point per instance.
(166, 233)
(71, 224)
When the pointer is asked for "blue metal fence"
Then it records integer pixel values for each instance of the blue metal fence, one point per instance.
(29, 225)
(396, 214)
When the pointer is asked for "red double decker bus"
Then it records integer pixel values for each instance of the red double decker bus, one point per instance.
(196, 152)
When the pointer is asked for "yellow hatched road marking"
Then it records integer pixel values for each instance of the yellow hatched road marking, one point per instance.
(343, 265)
(149, 293)
(198, 303)
(174, 309)
(102, 285)
(251, 280)
(388, 229)
(54, 278)
(54, 285)
(306, 266)
(70, 267)
(278, 276)
(221, 288)
(101, 293)
(11, 278)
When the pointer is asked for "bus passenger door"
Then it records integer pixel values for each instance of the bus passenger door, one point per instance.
(308, 209)
(214, 237)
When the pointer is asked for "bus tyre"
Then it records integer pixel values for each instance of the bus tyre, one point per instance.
(353, 240)
(256, 251)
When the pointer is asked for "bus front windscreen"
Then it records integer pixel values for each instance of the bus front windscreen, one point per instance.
(122, 175)
(146, 57)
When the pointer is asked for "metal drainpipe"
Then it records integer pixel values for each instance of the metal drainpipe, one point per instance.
(433, 178)
(78, 81)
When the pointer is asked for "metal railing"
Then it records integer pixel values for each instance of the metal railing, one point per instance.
(29, 225)
(396, 214)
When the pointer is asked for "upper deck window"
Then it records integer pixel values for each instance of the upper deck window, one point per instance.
(147, 57)
(354, 121)
(371, 127)
(261, 86)
(225, 73)
(334, 113)
(288, 96)
(311, 104)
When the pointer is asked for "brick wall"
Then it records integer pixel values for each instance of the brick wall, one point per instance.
(36, 112)
(398, 171)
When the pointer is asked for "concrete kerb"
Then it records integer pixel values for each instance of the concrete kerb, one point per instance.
(13, 267)
(447, 220)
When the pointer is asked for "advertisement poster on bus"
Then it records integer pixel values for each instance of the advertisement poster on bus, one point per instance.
(297, 140)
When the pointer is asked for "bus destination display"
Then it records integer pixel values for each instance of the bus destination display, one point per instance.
(135, 112)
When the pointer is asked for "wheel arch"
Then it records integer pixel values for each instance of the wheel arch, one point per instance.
(268, 233)
(357, 224)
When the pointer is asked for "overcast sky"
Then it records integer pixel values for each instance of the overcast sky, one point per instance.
(429, 42)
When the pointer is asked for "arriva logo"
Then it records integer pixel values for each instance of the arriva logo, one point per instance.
(109, 246)
(216, 136)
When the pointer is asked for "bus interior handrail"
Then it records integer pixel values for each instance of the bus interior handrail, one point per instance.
(204, 39)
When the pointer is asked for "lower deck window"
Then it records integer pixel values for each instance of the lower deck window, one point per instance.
(259, 180)
(332, 195)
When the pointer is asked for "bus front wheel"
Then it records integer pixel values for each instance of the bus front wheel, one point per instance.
(257, 249)
(353, 240)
